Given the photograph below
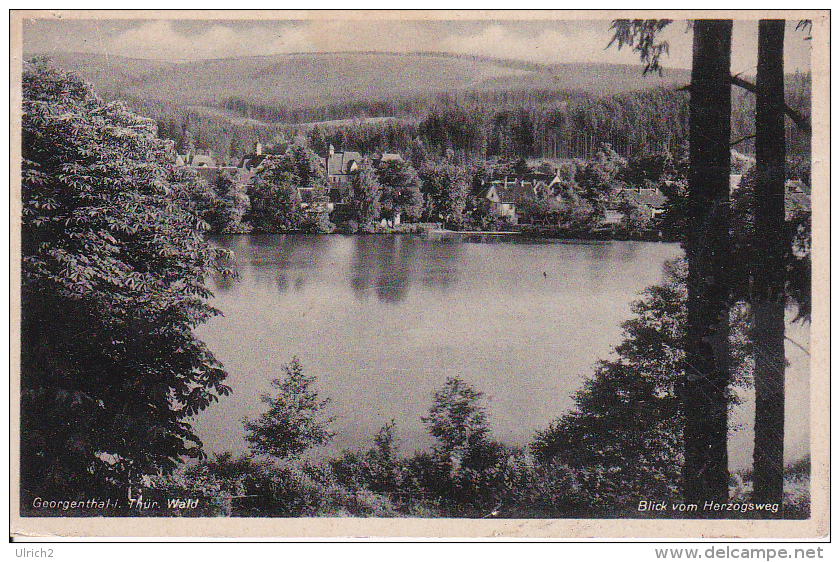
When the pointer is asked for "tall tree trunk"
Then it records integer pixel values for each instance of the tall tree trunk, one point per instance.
(768, 291)
(709, 252)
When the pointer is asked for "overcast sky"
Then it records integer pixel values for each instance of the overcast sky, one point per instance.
(534, 41)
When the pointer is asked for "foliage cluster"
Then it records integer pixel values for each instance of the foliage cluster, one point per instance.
(797, 234)
(275, 192)
(113, 284)
(446, 187)
(624, 434)
(221, 203)
(621, 442)
(466, 475)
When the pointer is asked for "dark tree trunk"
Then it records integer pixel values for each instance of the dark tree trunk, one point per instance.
(709, 252)
(768, 291)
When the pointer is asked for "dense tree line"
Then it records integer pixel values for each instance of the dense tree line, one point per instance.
(397, 107)
(509, 124)
(445, 191)
(570, 126)
(208, 129)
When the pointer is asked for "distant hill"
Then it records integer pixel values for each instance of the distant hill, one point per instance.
(309, 80)
(384, 101)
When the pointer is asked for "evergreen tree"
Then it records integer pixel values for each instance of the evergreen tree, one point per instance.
(318, 141)
(295, 420)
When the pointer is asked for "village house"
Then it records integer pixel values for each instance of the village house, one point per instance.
(512, 197)
(539, 182)
(202, 160)
(798, 187)
(552, 185)
(250, 162)
(207, 167)
(343, 164)
(340, 166)
(651, 201)
(310, 205)
(196, 159)
(500, 197)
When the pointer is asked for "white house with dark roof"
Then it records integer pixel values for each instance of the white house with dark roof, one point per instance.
(503, 196)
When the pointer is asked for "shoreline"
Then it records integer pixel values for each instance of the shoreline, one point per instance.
(439, 233)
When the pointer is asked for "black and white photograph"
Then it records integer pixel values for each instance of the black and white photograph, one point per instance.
(400, 274)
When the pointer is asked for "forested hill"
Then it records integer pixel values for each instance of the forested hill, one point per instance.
(314, 80)
(477, 106)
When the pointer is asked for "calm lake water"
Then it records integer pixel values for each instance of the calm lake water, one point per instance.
(382, 320)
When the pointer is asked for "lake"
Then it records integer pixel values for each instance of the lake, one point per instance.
(382, 320)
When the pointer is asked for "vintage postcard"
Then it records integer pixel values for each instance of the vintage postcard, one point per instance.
(470, 274)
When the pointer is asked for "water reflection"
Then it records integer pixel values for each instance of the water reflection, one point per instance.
(395, 267)
(383, 265)
(440, 264)
(285, 260)
(224, 281)
(609, 255)
(387, 266)
(282, 282)
(362, 266)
